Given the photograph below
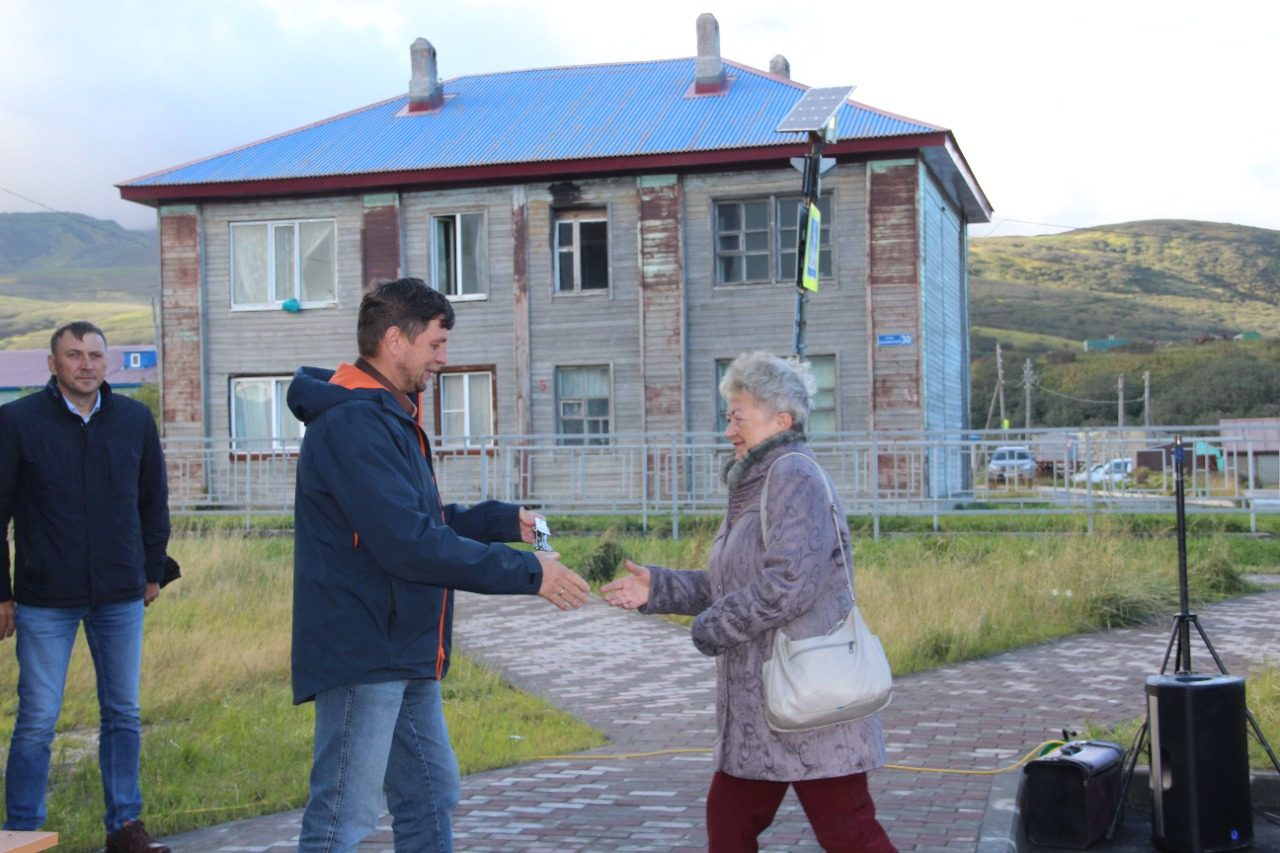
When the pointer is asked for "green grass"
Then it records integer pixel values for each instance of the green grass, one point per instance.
(1262, 696)
(221, 737)
(222, 740)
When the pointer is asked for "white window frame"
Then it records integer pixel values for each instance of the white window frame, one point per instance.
(450, 288)
(467, 440)
(575, 219)
(770, 254)
(584, 438)
(277, 292)
(278, 387)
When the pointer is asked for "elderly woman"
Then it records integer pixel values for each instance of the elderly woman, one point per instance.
(790, 577)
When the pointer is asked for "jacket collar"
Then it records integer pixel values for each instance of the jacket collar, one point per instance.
(733, 470)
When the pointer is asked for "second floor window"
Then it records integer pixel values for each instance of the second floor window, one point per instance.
(458, 248)
(582, 404)
(260, 420)
(273, 262)
(466, 408)
(582, 250)
(755, 240)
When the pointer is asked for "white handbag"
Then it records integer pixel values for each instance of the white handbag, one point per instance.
(833, 678)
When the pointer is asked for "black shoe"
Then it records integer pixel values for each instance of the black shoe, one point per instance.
(133, 838)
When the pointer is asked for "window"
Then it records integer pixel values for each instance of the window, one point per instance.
(788, 232)
(582, 250)
(822, 414)
(582, 404)
(260, 420)
(466, 408)
(272, 262)
(133, 360)
(742, 242)
(756, 239)
(458, 248)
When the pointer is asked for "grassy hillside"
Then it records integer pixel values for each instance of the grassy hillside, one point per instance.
(57, 267)
(1190, 384)
(1162, 280)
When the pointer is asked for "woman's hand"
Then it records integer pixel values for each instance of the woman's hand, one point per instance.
(629, 592)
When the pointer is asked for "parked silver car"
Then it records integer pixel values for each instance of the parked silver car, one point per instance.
(1012, 462)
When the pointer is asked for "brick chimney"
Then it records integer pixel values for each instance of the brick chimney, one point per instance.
(709, 68)
(780, 67)
(425, 91)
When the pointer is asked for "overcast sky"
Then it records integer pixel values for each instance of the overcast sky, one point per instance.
(1070, 114)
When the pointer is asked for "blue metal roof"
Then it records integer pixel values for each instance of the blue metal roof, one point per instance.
(537, 116)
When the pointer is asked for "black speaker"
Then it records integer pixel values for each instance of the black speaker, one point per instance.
(1070, 795)
(1199, 763)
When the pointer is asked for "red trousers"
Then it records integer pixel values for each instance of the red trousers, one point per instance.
(839, 810)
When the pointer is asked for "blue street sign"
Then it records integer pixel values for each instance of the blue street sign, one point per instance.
(895, 340)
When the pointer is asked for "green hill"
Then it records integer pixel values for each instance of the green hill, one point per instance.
(57, 267)
(1158, 280)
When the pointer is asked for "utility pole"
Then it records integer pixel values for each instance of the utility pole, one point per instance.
(1146, 398)
(1120, 405)
(1028, 374)
(1004, 417)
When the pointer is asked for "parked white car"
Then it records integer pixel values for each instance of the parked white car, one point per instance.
(1013, 462)
(1111, 471)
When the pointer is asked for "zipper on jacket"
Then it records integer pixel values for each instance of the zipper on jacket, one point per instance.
(391, 615)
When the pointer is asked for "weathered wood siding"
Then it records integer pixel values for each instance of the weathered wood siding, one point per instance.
(726, 320)
(182, 389)
(944, 331)
(662, 304)
(243, 343)
(483, 331)
(591, 328)
(380, 239)
(893, 287)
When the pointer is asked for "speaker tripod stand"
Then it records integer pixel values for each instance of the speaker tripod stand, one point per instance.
(1179, 637)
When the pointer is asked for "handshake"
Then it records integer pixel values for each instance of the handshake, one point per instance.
(564, 588)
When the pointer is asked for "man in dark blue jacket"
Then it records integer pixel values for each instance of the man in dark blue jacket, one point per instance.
(82, 477)
(377, 555)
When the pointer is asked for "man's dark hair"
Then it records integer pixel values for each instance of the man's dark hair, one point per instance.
(78, 330)
(408, 303)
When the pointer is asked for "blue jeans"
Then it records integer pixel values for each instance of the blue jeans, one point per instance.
(371, 735)
(45, 637)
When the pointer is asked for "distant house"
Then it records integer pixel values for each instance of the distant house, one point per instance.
(24, 370)
(611, 237)
(1255, 444)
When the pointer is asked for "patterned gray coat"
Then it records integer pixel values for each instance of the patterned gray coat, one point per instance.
(798, 583)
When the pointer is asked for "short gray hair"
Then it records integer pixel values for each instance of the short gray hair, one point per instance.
(783, 385)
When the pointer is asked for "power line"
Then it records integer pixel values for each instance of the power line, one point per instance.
(1110, 402)
(88, 220)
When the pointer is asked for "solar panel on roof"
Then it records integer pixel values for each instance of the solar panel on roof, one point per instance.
(813, 109)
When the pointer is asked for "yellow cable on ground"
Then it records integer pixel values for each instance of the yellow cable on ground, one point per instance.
(1030, 755)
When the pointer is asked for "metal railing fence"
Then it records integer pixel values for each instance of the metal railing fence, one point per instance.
(667, 475)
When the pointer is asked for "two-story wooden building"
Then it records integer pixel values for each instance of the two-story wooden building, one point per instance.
(611, 236)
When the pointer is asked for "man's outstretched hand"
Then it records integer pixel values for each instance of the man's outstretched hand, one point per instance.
(561, 585)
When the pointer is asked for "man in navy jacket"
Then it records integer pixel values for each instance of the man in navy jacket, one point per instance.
(82, 477)
(377, 555)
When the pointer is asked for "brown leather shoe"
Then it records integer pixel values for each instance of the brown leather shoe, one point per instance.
(133, 838)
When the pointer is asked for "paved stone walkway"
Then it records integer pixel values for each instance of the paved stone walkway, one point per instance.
(640, 681)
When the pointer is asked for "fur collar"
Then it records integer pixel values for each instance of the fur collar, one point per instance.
(733, 470)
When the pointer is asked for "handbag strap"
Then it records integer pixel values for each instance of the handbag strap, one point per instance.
(831, 500)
